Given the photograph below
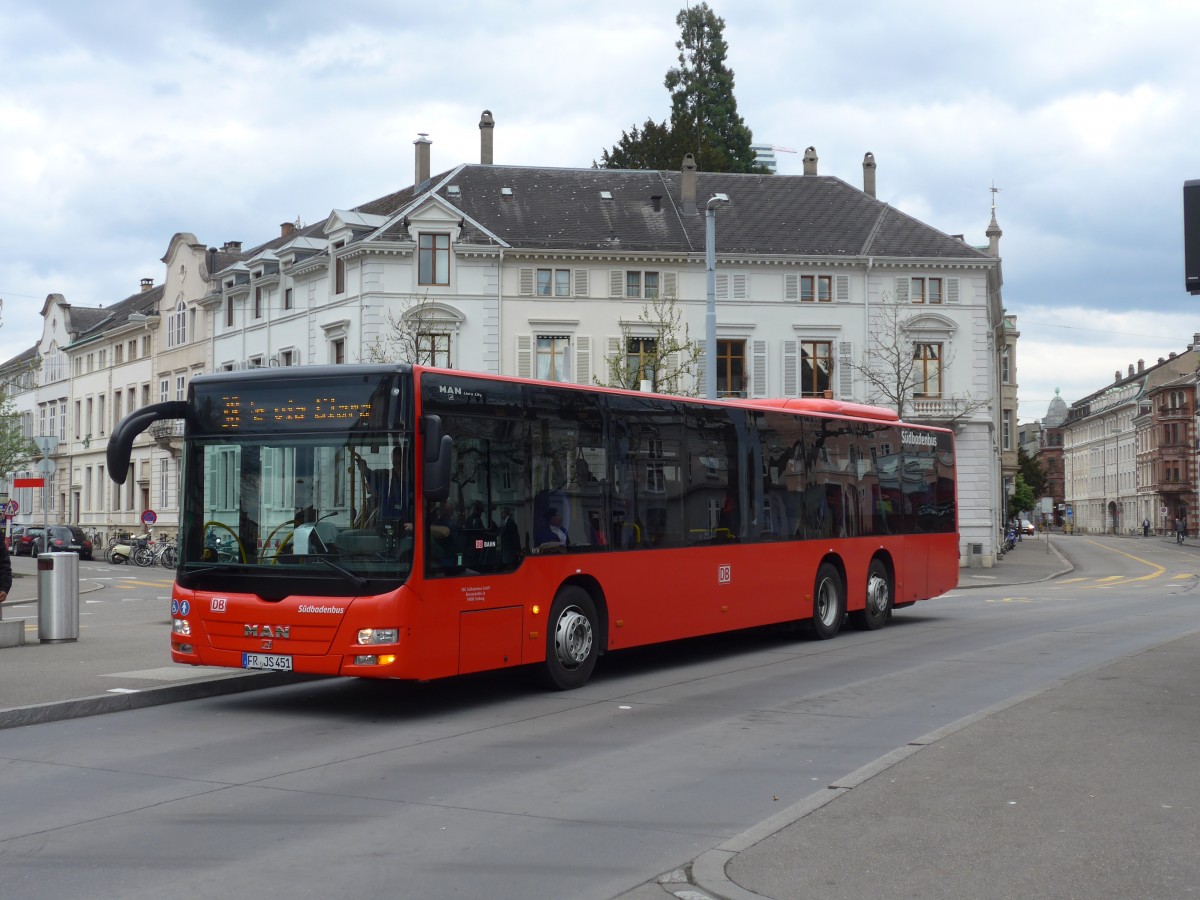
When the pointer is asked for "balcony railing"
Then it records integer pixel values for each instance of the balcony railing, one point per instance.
(166, 429)
(940, 408)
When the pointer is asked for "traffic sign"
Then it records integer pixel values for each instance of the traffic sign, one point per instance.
(11, 507)
(46, 466)
(46, 443)
(149, 517)
(29, 482)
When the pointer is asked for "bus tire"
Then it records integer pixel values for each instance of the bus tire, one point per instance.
(829, 603)
(879, 599)
(572, 640)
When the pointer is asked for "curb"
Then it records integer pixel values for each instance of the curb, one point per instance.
(708, 869)
(220, 685)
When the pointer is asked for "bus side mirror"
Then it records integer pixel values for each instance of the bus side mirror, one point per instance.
(436, 457)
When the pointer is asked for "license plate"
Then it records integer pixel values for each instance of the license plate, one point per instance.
(266, 661)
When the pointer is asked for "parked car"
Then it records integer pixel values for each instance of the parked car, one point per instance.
(64, 539)
(1027, 527)
(22, 539)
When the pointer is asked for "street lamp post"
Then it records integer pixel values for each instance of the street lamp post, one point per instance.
(710, 317)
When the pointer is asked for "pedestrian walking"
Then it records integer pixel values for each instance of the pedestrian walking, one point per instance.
(1145, 528)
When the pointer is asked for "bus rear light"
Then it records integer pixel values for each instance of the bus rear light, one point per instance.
(181, 626)
(378, 635)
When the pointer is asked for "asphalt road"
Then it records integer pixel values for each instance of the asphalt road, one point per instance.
(485, 787)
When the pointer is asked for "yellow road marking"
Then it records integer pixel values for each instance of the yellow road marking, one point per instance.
(1181, 577)
(1159, 570)
(1070, 580)
(1109, 578)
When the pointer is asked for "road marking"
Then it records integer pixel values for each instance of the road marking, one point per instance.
(1181, 577)
(1158, 570)
(1012, 600)
(1070, 580)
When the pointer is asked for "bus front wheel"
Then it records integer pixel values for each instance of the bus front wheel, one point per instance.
(829, 603)
(879, 598)
(571, 640)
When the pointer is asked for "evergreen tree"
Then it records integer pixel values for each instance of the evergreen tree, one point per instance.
(704, 118)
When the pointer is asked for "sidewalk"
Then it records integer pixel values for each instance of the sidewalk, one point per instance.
(120, 661)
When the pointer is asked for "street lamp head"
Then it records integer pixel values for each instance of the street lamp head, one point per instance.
(718, 198)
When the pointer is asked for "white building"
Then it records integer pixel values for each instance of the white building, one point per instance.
(543, 271)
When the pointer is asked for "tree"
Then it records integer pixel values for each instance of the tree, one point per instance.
(412, 335)
(662, 346)
(1033, 473)
(1022, 497)
(16, 450)
(898, 367)
(704, 118)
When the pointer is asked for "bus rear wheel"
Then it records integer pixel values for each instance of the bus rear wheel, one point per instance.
(879, 599)
(829, 603)
(572, 636)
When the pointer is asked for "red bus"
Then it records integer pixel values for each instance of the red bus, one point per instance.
(416, 523)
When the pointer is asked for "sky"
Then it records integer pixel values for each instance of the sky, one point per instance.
(125, 122)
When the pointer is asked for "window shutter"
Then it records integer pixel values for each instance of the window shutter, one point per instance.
(524, 355)
(758, 368)
(670, 369)
(701, 368)
(902, 290)
(616, 283)
(845, 364)
(741, 286)
(951, 290)
(583, 359)
(841, 288)
(791, 369)
(670, 285)
(526, 288)
(613, 352)
(791, 288)
(722, 285)
(581, 282)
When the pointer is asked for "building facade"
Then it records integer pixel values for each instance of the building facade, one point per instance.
(554, 273)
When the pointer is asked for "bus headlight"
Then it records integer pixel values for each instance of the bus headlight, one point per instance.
(181, 626)
(378, 635)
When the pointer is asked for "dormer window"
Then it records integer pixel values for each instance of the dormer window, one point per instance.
(433, 259)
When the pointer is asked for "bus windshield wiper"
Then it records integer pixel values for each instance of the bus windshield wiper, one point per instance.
(357, 580)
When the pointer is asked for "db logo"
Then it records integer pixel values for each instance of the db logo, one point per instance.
(724, 574)
(218, 604)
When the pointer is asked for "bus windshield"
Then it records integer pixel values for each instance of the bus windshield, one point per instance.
(300, 506)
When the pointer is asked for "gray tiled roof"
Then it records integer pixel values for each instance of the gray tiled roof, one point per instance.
(806, 215)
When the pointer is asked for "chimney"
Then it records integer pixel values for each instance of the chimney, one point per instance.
(656, 202)
(1196, 341)
(1117, 375)
(1141, 366)
(422, 169)
(1131, 370)
(869, 174)
(287, 229)
(232, 247)
(688, 185)
(810, 160)
(1171, 355)
(487, 126)
(147, 284)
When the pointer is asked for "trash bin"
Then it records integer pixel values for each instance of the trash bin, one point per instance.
(58, 597)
